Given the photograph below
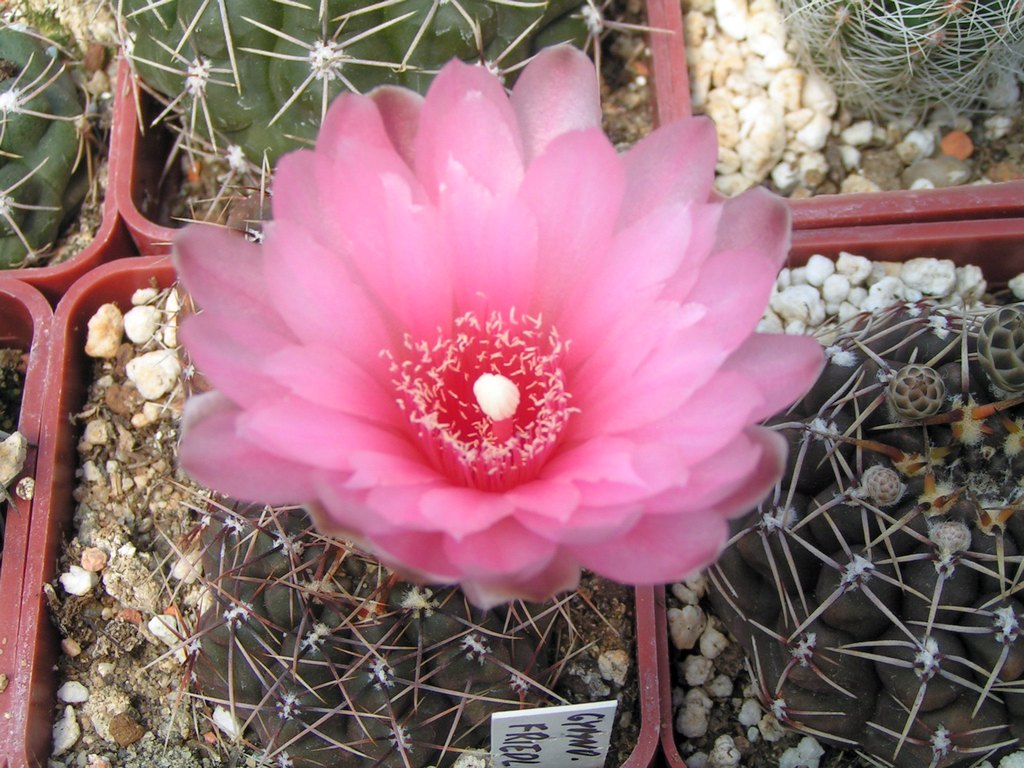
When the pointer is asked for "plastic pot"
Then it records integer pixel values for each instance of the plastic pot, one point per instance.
(672, 95)
(995, 245)
(30, 697)
(25, 324)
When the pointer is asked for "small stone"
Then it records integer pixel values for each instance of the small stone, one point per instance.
(856, 184)
(819, 95)
(942, 171)
(685, 594)
(816, 132)
(771, 729)
(713, 642)
(724, 754)
(614, 666)
(26, 488)
(13, 451)
(917, 144)
(78, 581)
(763, 137)
(997, 126)
(65, 732)
(818, 270)
(850, 157)
(855, 268)
(799, 302)
(94, 559)
(72, 692)
(144, 296)
(70, 647)
(105, 330)
(883, 294)
(720, 687)
(806, 754)
(859, 134)
(785, 89)
(932, 277)
(141, 323)
(732, 16)
(1016, 285)
(957, 144)
(750, 712)
(167, 629)
(835, 289)
(189, 567)
(125, 730)
(154, 373)
(685, 626)
(95, 433)
(697, 670)
(785, 177)
(1005, 170)
(228, 723)
(692, 721)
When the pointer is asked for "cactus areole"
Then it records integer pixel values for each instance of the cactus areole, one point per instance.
(877, 590)
(488, 348)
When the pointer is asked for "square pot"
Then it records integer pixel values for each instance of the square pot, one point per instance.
(995, 245)
(672, 96)
(31, 711)
(25, 323)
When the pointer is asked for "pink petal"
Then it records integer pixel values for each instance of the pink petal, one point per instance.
(421, 554)
(506, 550)
(312, 290)
(561, 575)
(674, 164)
(356, 118)
(467, 120)
(325, 377)
(587, 525)
(400, 111)
(574, 190)
(493, 247)
(555, 499)
(230, 355)
(223, 272)
(556, 93)
(658, 549)
(756, 222)
(317, 437)
(214, 453)
(464, 512)
(782, 367)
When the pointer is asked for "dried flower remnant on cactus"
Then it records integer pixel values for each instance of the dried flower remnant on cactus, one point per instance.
(491, 350)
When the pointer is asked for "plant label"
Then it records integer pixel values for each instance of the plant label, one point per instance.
(574, 736)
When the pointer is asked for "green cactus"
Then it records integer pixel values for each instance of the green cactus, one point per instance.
(895, 58)
(319, 656)
(877, 591)
(254, 77)
(40, 145)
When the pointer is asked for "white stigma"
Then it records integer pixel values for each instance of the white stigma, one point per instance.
(497, 396)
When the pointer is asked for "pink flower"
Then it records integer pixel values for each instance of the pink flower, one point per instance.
(483, 345)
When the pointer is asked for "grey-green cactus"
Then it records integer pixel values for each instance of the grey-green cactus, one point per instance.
(254, 77)
(877, 591)
(40, 145)
(318, 656)
(897, 58)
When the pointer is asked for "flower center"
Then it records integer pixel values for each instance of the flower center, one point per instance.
(489, 402)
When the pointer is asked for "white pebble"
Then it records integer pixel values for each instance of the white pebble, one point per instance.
(819, 95)
(65, 732)
(1016, 285)
(685, 593)
(858, 134)
(724, 754)
(685, 626)
(997, 126)
(713, 642)
(106, 327)
(140, 323)
(167, 629)
(835, 289)
(73, 692)
(799, 302)
(154, 373)
(13, 452)
(932, 277)
(228, 723)
(697, 670)
(850, 157)
(846, 311)
(882, 294)
(693, 718)
(819, 269)
(750, 712)
(720, 687)
(816, 132)
(78, 581)
(785, 177)
(922, 183)
(856, 268)
(763, 137)
(771, 729)
(613, 666)
(189, 567)
(697, 760)
(732, 16)
(798, 276)
(95, 432)
(144, 296)
(915, 145)
(855, 184)
(970, 283)
(806, 754)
